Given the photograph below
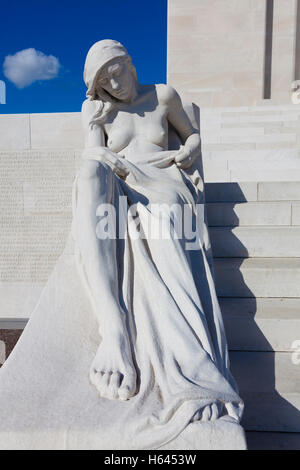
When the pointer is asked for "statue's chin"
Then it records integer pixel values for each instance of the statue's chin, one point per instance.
(125, 96)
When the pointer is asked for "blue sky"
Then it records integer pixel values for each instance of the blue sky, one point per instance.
(66, 29)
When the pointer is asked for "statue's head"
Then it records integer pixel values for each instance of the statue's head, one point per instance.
(108, 72)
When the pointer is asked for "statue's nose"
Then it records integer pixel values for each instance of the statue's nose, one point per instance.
(114, 84)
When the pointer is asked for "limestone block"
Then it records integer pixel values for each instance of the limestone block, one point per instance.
(231, 192)
(276, 145)
(284, 17)
(213, 172)
(35, 221)
(265, 110)
(210, 125)
(283, 45)
(14, 131)
(261, 324)
(289, 128)
(296, 213)
(267, 175)
(281, 191)
(257, 376)
(282, 64)
(269, 384)
(267, 138)
(282, 164)
(257, 277)
(261, 117)
(56, 130)
(262, 156)
(242, 132)
(229, 146)
(224, 37)
(18, 299)
(244, 242)
(252, 213)
(276, 126)
(210, 137)
(237, 96)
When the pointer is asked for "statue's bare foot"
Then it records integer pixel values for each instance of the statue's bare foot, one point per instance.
(208, 413)
(112, 371)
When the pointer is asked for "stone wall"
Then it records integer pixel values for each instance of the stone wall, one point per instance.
(220, 52)
(39, 155)
(40, 131)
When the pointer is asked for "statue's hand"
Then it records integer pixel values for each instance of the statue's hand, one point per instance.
(103, 154)
(184, 157)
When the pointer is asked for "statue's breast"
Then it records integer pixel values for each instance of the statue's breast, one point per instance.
(120, 132)
(155, 133)
(128, 126)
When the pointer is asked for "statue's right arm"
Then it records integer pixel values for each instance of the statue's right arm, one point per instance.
(93, 134)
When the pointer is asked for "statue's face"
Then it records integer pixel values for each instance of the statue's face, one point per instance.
(117, 79)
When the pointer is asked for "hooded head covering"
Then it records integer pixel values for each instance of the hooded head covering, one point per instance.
(99, 54)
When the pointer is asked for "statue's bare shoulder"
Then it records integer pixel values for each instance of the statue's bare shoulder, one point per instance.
(167, 95)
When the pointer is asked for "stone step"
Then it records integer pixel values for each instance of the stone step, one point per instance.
(269, 383)
(226, 214)
(261, 324)
(257, 156)
(255, 242)
(251, 119)
(251, 191)
(257, 277)
(253, 165)
(255, 136)
(255, 109)
(272, 440)
(232, 192)
(274, 191)
(221, 173)
(265, 175)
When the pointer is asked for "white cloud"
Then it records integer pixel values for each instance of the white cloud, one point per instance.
(28, 66)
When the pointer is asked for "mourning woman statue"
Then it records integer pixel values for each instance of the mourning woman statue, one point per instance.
(142, 358)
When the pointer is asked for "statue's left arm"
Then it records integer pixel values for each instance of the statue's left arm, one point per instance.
(189, 135)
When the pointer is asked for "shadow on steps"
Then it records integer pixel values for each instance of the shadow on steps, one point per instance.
(255, 368)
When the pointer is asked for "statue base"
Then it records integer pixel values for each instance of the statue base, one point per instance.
(218, 435)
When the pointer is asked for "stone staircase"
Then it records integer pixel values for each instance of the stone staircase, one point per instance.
(258, 143)
(255, 234)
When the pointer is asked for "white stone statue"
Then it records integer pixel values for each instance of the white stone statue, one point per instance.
(130, 349)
